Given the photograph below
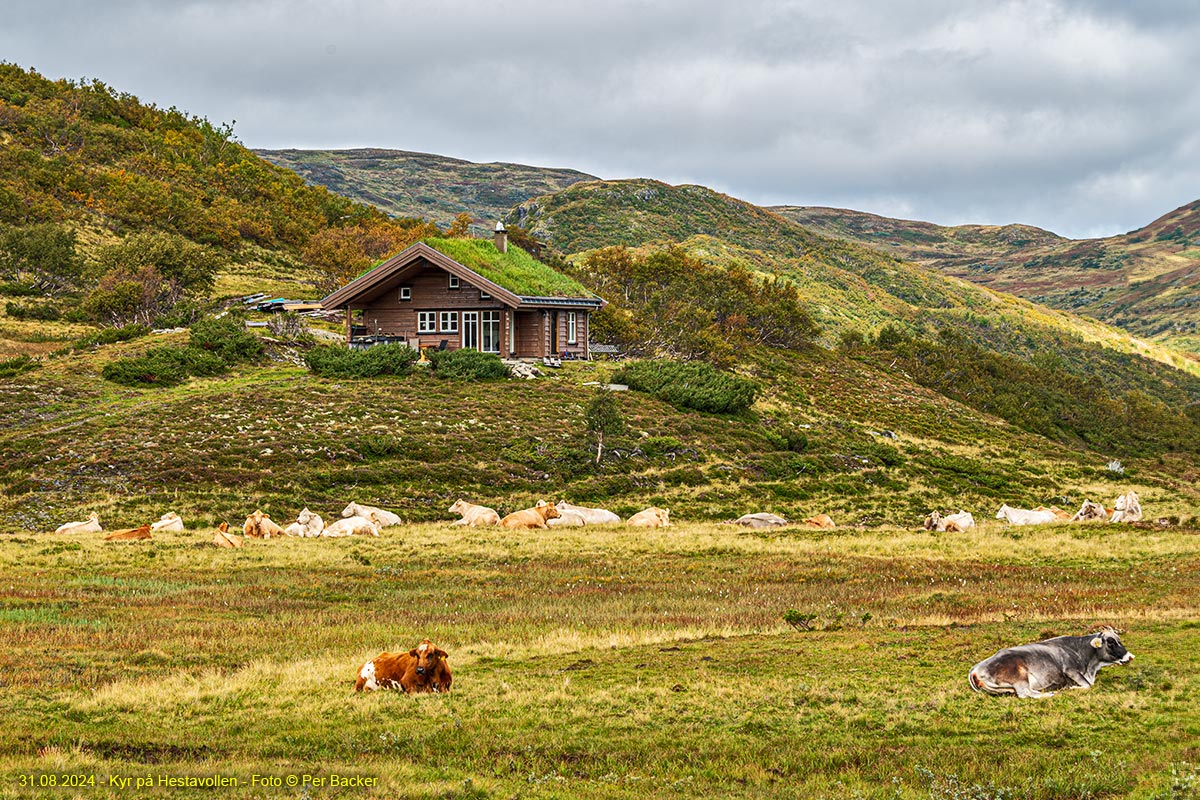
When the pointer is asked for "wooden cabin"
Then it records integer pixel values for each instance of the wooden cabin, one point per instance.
(452, 293)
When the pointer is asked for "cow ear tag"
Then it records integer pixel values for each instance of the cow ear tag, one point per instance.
(1097, 642)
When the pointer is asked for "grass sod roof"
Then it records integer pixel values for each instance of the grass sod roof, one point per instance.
(515, 270)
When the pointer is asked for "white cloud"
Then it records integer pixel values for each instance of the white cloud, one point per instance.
(1076, 116)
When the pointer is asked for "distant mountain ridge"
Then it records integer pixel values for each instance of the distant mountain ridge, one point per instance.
(1146, 281)
(432, 187)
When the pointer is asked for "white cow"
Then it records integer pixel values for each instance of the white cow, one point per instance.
(352, 526)
(473, 514)
(307, 524)
(1127, 508)
(169, 521)
(761, 519)
(384, 519)
(1023, 516)
(89, 525)
(591, 516)
(567, 519)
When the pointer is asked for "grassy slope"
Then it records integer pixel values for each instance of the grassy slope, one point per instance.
(601, 663)
(432, 187)
(1145, 281)
(277, 438)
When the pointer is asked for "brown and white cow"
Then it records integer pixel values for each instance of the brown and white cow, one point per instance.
(422, 669)
(1090, 511)
(535, 517)
(261, 526)
(474, 515)
(1127, 508)
(1042, 668)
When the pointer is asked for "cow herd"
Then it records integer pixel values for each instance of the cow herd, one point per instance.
(1032, 670)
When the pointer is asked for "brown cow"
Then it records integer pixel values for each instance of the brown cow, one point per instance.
(531, 517)
(1059, 514)
(129, 534)
(261, 526)
(820, 521)
(422, 669)
(223, 538)
(652, 517)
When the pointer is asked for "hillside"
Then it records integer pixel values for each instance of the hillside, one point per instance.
(851, 287)
(424, 185)
(1146, 281)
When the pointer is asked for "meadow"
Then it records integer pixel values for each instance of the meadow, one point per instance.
(597, 662)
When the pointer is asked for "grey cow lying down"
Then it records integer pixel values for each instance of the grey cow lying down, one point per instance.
(1042, 668)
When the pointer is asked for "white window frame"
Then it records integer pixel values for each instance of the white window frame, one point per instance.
(484, 295)
(453, 282)
(470, 330)
(572, 328)
(406, 293)
(452, 317)
(486, 320)
(512, 332)
(426, 322)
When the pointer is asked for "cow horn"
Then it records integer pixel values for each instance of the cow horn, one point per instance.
(1097, 642)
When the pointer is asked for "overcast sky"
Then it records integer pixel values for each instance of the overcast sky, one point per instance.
(1080, 117)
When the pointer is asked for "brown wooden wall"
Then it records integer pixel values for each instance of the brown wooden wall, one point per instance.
(386, 314)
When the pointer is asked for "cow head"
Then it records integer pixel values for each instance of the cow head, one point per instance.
(351, 510)
(1109, 648)
(1003, 512)
(304, 517)
(458, 507)
(931, 522)
(223, 527)
(428, 657)
(546, 510)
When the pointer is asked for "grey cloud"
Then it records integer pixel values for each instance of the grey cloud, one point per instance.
(1076, 116)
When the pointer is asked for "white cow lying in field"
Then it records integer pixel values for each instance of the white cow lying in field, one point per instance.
(761, 519)
(352, 526)
(652, 517)
(384, 519)
(89, 525)
(1127, 509)
(473, 514)
(584, 515)
(169, 521)
(307, 524)
(1024, 516)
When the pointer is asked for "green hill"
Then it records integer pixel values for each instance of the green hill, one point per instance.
(432, 187)
(1146, 281)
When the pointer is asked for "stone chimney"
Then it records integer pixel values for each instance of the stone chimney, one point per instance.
(501, 238)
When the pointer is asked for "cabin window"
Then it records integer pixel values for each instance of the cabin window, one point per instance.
(572, 328)
(449, 322)
(426, 322)
(489, 332)
(453, 282)
(484, 295)
(406, 293)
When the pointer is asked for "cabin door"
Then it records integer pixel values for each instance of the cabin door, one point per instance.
(553, 333)
(470, 329)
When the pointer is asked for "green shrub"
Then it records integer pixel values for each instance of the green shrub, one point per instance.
(339, 361)
(11, 367)
(42, 311)
(466, 365)
(111, 336)
(227, 338)
(693, 385)
(160, 366)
